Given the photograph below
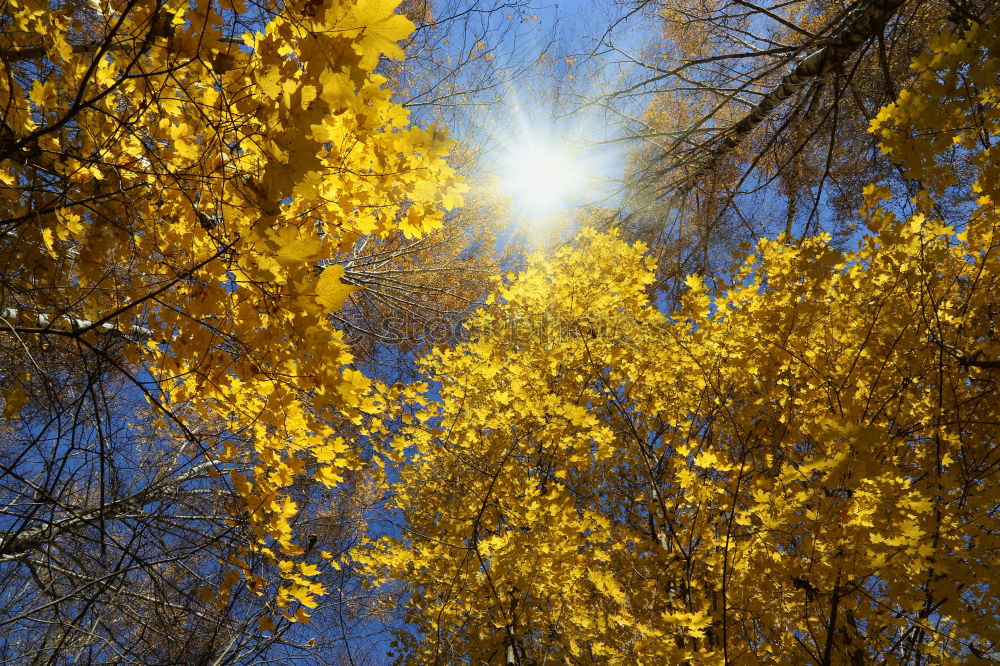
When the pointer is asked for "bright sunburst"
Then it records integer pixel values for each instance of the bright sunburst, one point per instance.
(542, 177)
(551, 161)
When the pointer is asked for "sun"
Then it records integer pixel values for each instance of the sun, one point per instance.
(550, 162)
(542, 178)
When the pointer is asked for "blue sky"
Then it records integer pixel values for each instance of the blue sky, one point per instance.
(546, 64)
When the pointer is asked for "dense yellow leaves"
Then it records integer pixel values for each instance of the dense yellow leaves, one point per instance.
(799, 467)
(162, 170)
(927, 130)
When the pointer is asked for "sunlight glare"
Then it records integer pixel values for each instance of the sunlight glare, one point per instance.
(542, 178)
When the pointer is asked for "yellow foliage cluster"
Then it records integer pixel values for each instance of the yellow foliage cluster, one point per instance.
(954, 114)
(800, 467)
(181, 173)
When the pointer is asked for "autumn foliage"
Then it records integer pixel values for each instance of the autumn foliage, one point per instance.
(180, 177)
(200, 202)
(797, 466)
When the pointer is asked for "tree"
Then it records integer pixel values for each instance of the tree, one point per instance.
(756, 115)
(461, 67)
(798, 468)
(178, 186)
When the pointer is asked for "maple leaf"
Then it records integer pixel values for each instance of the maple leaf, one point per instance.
(381, 29)
(294, 248)
(330, 289)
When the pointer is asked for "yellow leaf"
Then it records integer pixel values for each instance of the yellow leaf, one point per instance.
(43, 94)
(270, 82)
(330, 291)
(70, 224)
(241, 484)
(606, 583)
(337, 91)
(711, 460)
(381, 29)
(289, 548)
(293, 250)
(47, 237)
(329, 476)
(308, 569)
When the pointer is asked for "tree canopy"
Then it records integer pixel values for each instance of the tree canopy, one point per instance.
(744, 412)
(796, 468)
(178, 185)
